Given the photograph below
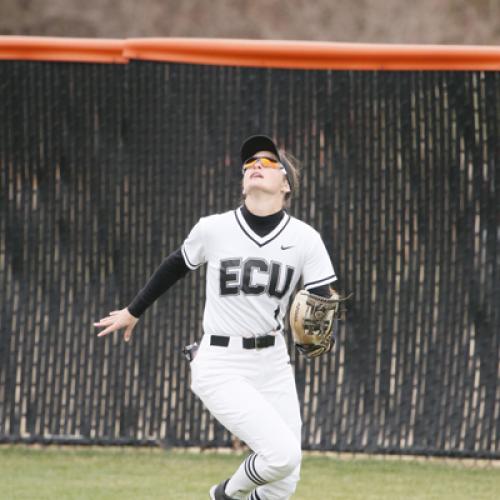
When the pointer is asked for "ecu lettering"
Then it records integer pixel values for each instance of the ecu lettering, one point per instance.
(237, 276)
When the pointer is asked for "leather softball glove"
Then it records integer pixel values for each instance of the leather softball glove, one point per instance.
(312, 320)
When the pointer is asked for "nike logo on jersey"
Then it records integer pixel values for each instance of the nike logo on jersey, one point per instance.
(283, 247)
(237, 276)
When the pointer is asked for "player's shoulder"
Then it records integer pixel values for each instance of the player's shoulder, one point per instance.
(217, 218)
(299, 225)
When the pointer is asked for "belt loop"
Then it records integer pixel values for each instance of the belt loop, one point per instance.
(257, 348)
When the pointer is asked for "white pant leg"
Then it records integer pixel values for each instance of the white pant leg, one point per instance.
(231, 381)
(281, 392)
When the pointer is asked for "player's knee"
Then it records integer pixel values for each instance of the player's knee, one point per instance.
(282, 489)
(287, 460)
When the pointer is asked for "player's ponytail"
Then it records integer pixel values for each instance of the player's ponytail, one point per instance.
(292, 167)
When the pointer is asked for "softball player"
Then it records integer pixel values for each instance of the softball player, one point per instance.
(255, 257)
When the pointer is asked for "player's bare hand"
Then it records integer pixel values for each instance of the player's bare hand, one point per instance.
(116, 321)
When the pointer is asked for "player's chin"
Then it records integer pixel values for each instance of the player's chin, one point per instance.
(258, 188)
(259, 183)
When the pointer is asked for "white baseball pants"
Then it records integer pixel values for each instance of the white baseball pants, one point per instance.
(252, 393)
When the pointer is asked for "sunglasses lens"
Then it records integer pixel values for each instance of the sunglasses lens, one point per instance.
(249, 163)
(268, 163)
(265, 162)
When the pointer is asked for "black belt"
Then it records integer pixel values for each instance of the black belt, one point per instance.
(248, 343)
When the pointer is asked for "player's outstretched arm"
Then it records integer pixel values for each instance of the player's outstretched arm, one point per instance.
(116, 321)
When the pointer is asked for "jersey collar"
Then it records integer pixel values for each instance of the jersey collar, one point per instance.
(260, 240)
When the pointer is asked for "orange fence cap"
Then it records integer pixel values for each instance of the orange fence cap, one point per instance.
(314, 55)
(258, 53)
(41, 48)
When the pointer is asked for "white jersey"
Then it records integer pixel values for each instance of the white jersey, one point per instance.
(249, 277)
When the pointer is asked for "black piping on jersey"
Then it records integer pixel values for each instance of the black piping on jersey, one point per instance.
(254, 495)
(251, 472)
(261, 225)
(252, 238)
(321, 281)
(188, 262)
(277, 318)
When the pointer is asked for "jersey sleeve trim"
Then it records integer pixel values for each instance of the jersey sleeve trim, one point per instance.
(188, 262)
(320, 282)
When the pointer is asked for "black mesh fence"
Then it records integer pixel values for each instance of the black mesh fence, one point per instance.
(104, 170)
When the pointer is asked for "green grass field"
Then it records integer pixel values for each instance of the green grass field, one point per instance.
(116, 473)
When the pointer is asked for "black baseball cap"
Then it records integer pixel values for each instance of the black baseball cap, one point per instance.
(256, 143)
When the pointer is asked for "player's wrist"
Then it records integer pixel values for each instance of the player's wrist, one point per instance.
(132, 313)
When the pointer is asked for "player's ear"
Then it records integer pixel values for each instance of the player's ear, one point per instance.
(285, 188)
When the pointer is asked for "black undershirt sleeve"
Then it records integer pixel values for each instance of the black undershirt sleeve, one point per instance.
(171, 270)
(322, 291)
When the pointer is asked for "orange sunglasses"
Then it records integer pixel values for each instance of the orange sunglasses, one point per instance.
(265, 162)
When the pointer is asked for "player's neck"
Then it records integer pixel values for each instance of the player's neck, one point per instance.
(265, 205)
